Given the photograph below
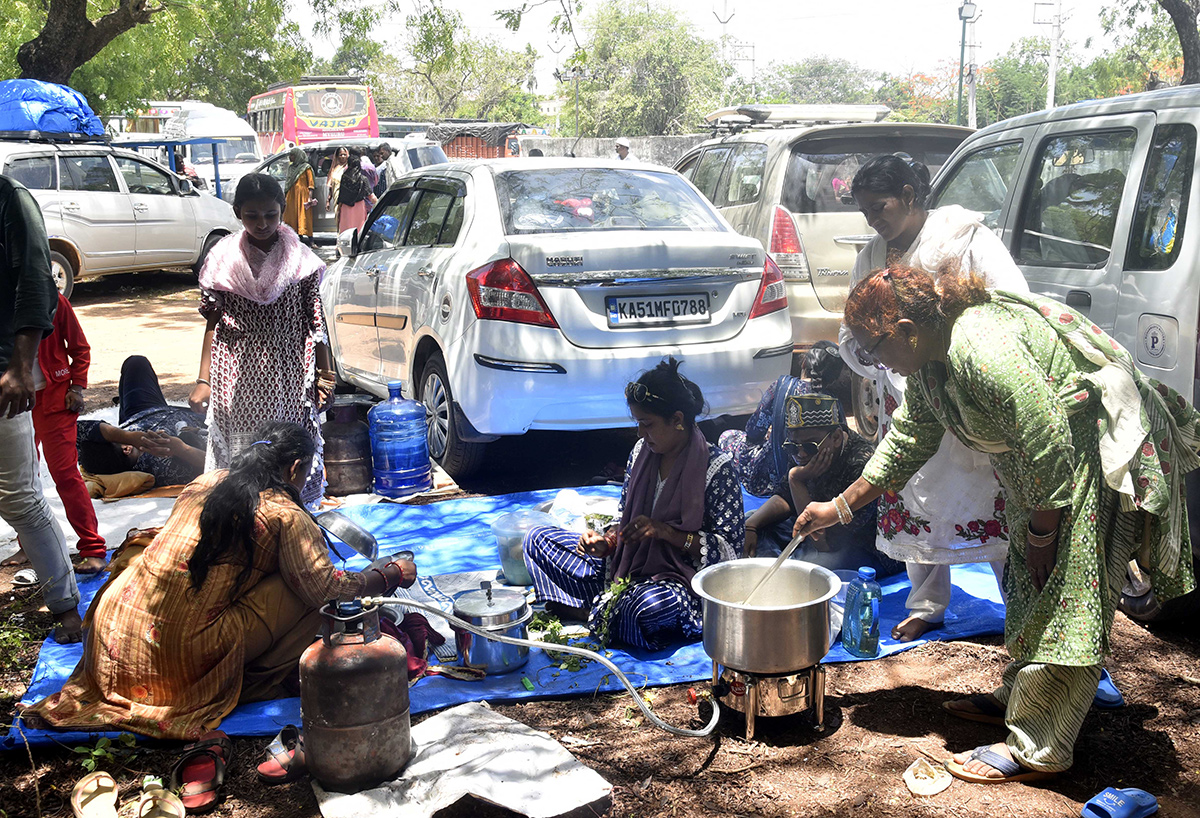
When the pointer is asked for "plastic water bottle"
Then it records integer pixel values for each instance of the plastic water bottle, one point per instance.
(399, 445)
(860, 627)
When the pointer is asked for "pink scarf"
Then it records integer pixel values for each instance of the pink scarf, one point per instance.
(229, 266)
(680, 505)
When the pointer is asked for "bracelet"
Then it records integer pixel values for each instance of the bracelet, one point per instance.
(845, 515)
(203, 381)
(75, 388)
(690, 540)
(1040, 540)
(387, 583)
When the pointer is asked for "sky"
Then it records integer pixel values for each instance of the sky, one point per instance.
(895, 36)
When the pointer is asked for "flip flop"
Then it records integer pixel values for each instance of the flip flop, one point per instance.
(95, 796)
(285, 758)
(199, 773)
(989, 711)
(1108, 697)
(24, 578)
(1126, 803)
(1009, 770)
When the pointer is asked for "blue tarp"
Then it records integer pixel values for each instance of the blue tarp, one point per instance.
(455, 536)
(33, 105)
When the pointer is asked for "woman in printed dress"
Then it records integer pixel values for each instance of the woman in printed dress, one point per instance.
(298, 188)
(265, 355)
(952, 511)
(217, 608)
(1091, 454)
(681, 510)
(354, 196)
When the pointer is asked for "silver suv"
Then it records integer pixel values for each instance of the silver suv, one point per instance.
(784, 179)
(110, 210)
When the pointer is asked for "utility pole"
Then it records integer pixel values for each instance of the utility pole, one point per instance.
(966, 13)
(1055, 23)
(724, 22)
(972, 74)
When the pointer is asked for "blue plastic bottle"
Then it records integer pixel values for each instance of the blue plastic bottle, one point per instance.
(860, 629)
(399, 445)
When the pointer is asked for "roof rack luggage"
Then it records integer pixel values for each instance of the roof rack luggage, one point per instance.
(768, 117)
(46, 136)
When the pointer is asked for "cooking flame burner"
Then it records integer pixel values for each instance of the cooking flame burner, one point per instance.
(757, 694)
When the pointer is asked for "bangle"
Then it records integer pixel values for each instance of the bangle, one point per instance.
(1040, 540)
(75, 388)
(203, 381)
(845, 515)
(387, 583)
(690, 540)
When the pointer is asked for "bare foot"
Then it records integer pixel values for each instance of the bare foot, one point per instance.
(982, 767)
(18, 558)
(88, 566)
(68, 627)
(566, 612)
(913, 628)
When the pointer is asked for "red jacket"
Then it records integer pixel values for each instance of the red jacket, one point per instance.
(64, 355)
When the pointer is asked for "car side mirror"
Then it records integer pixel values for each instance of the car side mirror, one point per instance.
(185, 187)
(347, 243)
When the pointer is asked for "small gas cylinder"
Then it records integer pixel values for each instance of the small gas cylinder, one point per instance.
(347, 448)
(354, 701)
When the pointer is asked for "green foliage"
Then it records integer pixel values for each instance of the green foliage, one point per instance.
(818, 80)
(105, 753)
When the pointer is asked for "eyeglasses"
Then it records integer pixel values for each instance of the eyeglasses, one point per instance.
(808, 446)
(638, 393)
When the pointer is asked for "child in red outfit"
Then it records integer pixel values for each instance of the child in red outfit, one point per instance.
(63, 360)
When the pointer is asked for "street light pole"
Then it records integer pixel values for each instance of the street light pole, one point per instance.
(966, 12)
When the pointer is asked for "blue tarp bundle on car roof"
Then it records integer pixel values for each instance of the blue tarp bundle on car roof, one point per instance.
(33, 105)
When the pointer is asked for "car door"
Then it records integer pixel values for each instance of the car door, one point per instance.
(408, 289)
(97, 214)
(1071, 229)
(38, 172)
(356, 289)
(166, 221)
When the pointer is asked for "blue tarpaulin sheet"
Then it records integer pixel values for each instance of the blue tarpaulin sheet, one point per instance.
(455, 536)
(33, 105)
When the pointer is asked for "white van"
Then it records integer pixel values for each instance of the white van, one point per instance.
(237, 155)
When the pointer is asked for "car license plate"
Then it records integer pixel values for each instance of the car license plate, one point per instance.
(657, 310)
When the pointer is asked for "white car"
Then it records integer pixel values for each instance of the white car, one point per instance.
(520, 294)
(110, 210)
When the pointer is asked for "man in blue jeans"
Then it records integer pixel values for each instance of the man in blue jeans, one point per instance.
(27, 302)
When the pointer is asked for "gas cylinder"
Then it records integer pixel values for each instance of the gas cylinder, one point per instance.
(354, 701)
(347, 448)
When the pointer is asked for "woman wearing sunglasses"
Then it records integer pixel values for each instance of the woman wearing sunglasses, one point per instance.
(953, 511)
(825, 457)
(681, 510)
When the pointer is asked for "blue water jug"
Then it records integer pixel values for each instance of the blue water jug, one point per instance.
(860, 626)
(399, 445)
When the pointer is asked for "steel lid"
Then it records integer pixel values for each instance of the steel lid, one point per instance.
(490, 605)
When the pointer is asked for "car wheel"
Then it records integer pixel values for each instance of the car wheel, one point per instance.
(866, 406)
(63, 273)
(458, 457)
(209, 243)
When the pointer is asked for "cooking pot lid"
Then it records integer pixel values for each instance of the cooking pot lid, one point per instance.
(490, 603)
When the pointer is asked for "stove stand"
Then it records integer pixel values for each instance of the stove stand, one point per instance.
(771, 695)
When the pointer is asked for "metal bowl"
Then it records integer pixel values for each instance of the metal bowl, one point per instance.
(786, 632)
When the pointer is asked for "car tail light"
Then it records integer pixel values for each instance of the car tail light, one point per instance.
(502, 291)
(786, 247)
(771, 295)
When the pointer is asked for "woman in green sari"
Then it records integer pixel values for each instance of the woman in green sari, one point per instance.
(1091, 454)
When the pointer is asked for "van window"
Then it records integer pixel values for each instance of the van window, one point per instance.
(820, 171)
(1070, 211)
(141, 178)
(34, 172)
(981, 181)
(687, 167)
(1161, 213)
(745, 175)
(708, 172)
(88, 173)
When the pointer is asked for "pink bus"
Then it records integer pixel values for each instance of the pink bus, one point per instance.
(317, 109)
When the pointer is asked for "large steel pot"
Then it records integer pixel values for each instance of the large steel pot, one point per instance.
(499, 611)
(786, 632)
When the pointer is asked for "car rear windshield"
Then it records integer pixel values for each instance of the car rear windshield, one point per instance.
(568, 200)
(424, 155)
(819, 172)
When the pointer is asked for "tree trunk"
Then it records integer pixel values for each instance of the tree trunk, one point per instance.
(1183, 15)
(69, 39)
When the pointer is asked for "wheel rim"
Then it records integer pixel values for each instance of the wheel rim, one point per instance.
(59, 273)
(437, 410)
(868, 420)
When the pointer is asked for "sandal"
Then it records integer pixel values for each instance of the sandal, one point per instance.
(285, 758)
(199, 773)
(987, 709)
(1009, 770)
(95, 796)
(154, 802)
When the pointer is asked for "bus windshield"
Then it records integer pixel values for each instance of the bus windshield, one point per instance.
(330, 102)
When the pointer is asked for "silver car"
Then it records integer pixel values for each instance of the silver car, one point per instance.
(520, 294)
(110, 210)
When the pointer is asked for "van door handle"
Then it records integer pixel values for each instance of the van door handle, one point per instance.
(1080, 300)
(141, 208)
(372, 272)
(858, 241)
(71, 206)
(424, 272)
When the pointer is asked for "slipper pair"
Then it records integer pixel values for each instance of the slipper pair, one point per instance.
(95, 796)
(199, 773)
(1114, 803)
(1009, 770)
(1108, 697)
(285, 758)
(987, 710)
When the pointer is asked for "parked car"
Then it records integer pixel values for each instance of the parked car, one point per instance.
(413, 152)
(784, 178)
(111, 210)
(521, 294)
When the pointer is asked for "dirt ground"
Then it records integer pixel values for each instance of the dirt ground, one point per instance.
(881, 715)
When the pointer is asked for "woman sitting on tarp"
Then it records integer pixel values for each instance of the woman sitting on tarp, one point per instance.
(757, 454)
(217, 609)
(824, 457)
(681, 510)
